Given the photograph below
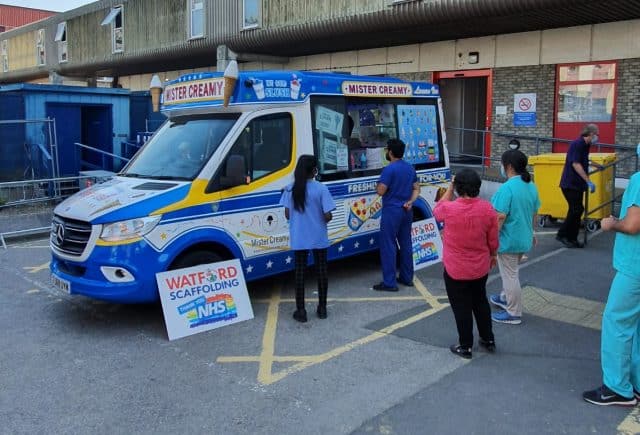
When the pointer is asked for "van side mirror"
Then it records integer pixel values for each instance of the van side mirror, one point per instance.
(235, 171)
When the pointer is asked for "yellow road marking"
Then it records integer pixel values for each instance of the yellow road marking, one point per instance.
(267, 376)
(269, 338)
(631, 424)
(576, 311)
(354, 299)
(563, 308)
(35, 269)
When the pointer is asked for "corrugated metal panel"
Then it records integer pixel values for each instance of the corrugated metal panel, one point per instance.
(223, 18)
(318, 31)
(15, 16)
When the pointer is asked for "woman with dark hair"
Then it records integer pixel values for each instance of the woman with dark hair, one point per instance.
(308, 206)
(517, 203)
(470, 243)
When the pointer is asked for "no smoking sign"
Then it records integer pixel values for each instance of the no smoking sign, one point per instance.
(524, 110)
(524, 103)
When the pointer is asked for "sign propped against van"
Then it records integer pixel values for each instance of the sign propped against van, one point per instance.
(205, 297)
(426, 243)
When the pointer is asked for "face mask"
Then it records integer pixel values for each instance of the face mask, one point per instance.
(594, 139)
(502, 172)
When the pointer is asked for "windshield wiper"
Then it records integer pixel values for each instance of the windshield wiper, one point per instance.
(130, 174)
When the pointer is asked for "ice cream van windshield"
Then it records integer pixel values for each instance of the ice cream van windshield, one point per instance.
(181, 148)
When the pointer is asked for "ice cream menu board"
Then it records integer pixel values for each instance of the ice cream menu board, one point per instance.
(419, 131)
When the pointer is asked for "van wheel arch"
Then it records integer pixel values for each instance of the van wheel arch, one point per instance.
(202, 253)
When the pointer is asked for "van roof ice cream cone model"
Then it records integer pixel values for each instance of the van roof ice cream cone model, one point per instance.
(206, 186)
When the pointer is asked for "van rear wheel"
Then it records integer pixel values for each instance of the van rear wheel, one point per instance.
(195, 258)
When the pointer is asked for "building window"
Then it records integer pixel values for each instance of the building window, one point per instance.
(586, 92)
(196, 22)
(40, 53)
(251, 13)
(115, 18)
(61, 39)
(5, 57)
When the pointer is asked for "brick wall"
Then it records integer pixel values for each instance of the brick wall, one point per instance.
(628, 116)
(538, 79)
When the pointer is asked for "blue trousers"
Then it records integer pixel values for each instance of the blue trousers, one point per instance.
(395, 225)
(620, 347)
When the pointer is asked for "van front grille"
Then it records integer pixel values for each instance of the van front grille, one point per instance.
(70, 236)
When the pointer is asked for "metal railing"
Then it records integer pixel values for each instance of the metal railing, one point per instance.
(545, 144)
(105, 155)
(539, 144)
(26, 206)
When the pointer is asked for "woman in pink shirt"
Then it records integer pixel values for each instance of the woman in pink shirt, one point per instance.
(470, 245)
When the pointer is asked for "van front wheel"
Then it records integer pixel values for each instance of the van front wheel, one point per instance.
(195, 258)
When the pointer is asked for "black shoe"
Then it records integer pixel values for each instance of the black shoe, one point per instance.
(300, 315)
(564, 241)
(405, 283)
(489, 345)
(576, 244)
(463, 352)
(383, 288)
(604, 396)
(321, 312)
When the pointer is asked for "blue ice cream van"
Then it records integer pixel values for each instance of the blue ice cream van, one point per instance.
(206, 186)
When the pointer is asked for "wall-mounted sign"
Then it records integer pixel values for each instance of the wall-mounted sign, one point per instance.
(524, 110)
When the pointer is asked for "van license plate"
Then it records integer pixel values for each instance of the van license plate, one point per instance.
(61, 284)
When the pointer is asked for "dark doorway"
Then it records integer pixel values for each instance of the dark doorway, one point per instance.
(87, 124)
(96, 132)
(466, 104)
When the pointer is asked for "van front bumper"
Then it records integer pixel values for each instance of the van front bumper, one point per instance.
(86, 278)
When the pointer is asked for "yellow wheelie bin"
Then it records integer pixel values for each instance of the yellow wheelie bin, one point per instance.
(547, 170)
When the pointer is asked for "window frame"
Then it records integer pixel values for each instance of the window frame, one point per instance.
(215, 185)
(4, 51)
(560, 83)
(61, 39)
(350, 173)
(41, 52)
(258, 23)
(190, 7)
(111, 19)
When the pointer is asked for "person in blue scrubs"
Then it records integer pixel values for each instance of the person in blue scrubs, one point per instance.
(308, 205)
(620, 343)
(399, 188)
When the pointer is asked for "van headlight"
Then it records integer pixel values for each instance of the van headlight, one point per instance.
(129, 229)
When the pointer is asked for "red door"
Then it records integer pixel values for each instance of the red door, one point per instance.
(585, 93)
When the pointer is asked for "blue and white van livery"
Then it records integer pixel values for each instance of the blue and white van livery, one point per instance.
(206, 186)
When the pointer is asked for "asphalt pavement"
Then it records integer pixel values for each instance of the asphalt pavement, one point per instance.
(380, 364)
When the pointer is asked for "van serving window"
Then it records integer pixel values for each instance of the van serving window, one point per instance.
(350, 134)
